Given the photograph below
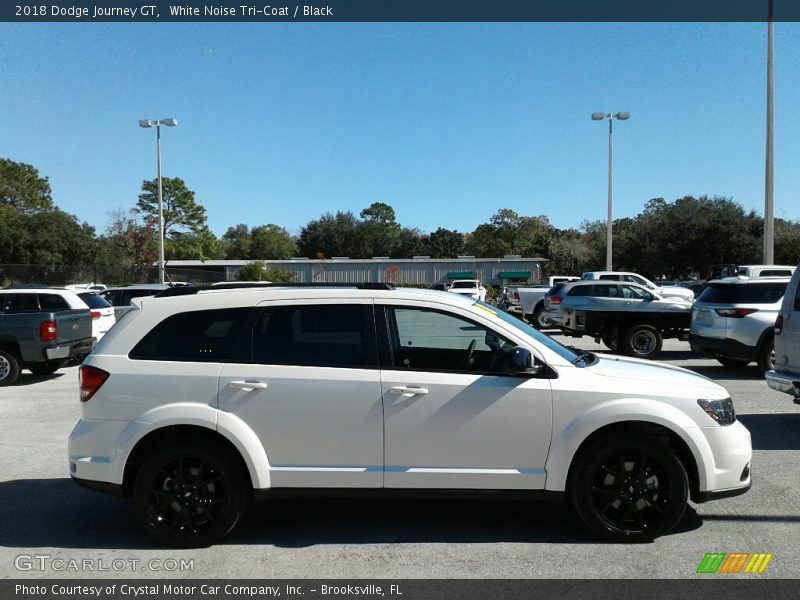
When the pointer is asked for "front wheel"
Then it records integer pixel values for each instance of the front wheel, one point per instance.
(642, 341)
(629, 488)
(611, 341)
(190, 494)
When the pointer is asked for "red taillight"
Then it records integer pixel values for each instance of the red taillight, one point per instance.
(779, 325)
(735, 313)
(516, 296)
(96, 314)
(90, 379)
(555, 300)
(47, 331)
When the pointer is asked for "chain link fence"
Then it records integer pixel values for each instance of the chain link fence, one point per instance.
(61, 275)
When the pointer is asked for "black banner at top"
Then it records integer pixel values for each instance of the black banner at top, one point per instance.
(332, 11)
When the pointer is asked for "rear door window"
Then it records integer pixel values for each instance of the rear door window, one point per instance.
(318, 335)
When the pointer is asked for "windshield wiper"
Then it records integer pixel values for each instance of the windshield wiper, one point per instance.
(583, 355)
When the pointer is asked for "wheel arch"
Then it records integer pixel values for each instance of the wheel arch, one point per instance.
(676, 428)
(227, 430)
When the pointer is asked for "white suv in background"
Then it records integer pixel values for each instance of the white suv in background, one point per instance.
(734, 320)
(200, 399)
(468, 287)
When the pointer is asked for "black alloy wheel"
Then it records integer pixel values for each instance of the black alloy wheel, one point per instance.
(630, 488)
(190, 494)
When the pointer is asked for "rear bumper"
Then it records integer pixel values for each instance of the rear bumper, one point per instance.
(787, 383)
(77, 348)
(722, 347)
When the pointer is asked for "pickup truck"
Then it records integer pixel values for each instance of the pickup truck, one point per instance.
(41, 330)
(626, 317)
(529, 300)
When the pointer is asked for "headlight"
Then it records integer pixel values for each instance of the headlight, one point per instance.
(719, 410)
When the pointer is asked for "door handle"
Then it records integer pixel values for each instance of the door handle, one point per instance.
(408, 391)
(248, 386)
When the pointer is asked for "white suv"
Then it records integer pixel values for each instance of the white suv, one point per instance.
(468, 287)
(199, 400)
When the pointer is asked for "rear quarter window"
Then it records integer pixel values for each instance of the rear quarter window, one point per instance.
(196, 336)
(756, 293)
(53, 302)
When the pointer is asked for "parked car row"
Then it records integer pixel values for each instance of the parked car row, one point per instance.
(43, 328)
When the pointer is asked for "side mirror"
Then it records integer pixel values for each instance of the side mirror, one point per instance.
(522, 362)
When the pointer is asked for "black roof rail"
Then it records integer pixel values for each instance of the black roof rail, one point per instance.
(185, 291)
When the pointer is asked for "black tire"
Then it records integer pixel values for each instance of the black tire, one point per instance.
(191, 494)
(766, 353)
(9, 368)
(641, 341)
(629, 488)
(538, 320)
(733, 363)
(611, 341)
(46, 368)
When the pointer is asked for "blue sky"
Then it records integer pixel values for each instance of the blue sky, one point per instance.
(447, 123)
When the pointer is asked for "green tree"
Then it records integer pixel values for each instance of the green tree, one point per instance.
(271, 242)
(200, 244)
(181, 212)
(445, 243)
(509, 233)
(236, 242)
(22, 188)
(379, 233)
(787, 242)
(412, 243)
(330, 235)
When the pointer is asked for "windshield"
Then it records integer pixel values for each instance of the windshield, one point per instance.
(522, 326)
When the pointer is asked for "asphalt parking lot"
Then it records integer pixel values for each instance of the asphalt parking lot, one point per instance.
(45, 515)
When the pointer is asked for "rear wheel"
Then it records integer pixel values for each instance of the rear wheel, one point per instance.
(46, 368)
(733, 363)
(539, 320)
(642, 341)
(766, 354)
(629, 488)
(190, 494)
(9, 368)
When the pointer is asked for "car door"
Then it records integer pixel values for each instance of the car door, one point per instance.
(453, 419)
(311, 393)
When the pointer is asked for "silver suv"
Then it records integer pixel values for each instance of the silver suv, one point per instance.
(785, 373)
(733, 320)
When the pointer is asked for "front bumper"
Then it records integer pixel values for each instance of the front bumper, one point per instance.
(722, 347)
(784, 382)
(728, 474)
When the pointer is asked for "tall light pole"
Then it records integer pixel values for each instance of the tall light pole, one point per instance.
(147, 123)
(768, 255)
(599, 116)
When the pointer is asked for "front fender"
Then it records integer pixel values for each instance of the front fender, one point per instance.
(567, 441)
(231, 427)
